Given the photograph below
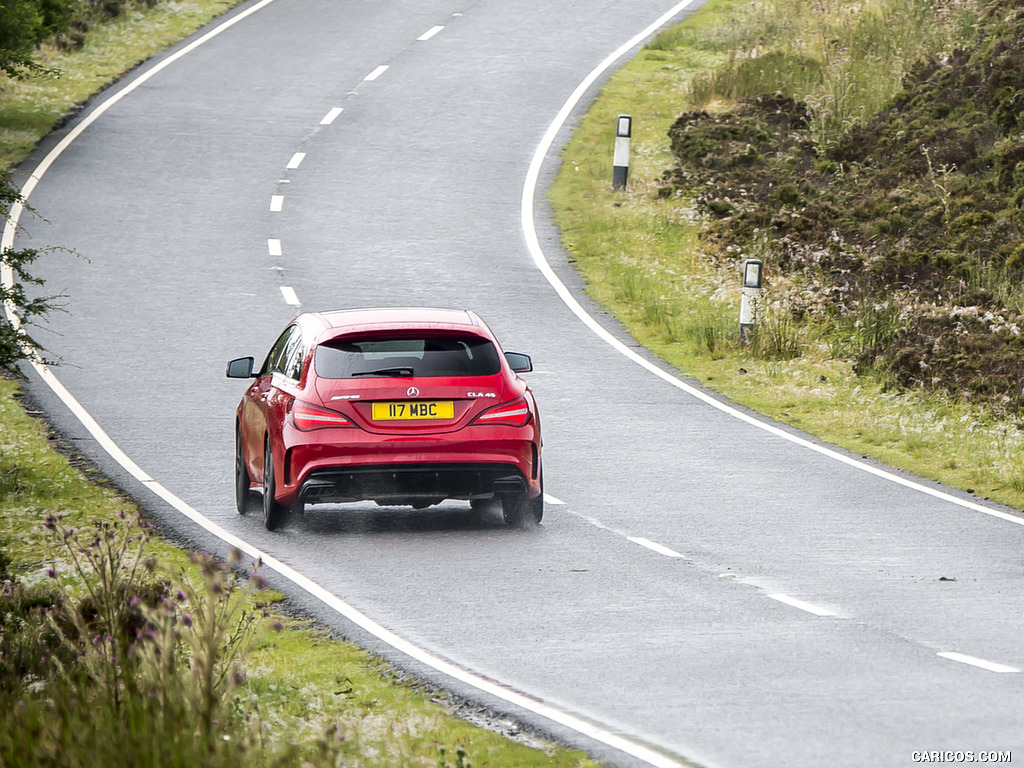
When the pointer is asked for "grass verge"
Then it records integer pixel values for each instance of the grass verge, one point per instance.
(643, 256)
(297, 696)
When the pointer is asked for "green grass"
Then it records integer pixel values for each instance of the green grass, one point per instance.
(642, 257)
(355, 699)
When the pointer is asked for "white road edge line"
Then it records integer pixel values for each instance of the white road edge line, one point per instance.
(537, 251)
(376, 73)
(331, 116)
(548, 498)
(274, 246)
(444, 667)
(654, 546)
(296, 160)
(817, 610)
(974, 661)
(430, 33)
(290, 297)
(276, 203)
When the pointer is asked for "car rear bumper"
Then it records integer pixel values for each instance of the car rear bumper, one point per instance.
(408, 483)
(406, 471)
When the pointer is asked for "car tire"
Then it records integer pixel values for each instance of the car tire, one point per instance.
(522, 512)
(274, 514)
(244, 496)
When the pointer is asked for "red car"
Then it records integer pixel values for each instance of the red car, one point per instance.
(397, 406)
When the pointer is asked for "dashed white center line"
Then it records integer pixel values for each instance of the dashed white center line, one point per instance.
(331, 116)
(290, 297)
(296, 160)
(597, 523)
(551, 499)
(276, 202)
(817, 610)
(974, 661)
(376, 73)
(654, 546)
(430, 33)
(273, 246)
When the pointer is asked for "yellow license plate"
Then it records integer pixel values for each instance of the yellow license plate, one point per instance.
(414, 409)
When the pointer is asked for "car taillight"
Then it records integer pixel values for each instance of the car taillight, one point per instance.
(307, 417)
(516, 413)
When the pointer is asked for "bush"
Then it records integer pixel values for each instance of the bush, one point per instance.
(106, 664)
(24, 24)
(914, 206)
(15, 342)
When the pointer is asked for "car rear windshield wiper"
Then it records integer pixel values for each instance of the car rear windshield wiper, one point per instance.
(404, 371)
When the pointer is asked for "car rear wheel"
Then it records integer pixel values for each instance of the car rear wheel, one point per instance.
(522, 512)
(244, 497)
(274, 514)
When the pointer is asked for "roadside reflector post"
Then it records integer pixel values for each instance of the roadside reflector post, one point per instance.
(752, 287)
(620, 160)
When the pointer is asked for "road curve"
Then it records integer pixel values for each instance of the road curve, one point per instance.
(710, 590)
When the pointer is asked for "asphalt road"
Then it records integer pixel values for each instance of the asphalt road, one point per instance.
(710, 590)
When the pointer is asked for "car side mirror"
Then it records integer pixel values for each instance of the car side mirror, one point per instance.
(519, 362)
(241, 368)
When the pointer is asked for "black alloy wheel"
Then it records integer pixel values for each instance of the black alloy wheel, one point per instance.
(274, 514)
(521, 512)
(244, 496)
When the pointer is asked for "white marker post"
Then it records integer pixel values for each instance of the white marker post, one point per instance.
(620, 160)
(751, 292)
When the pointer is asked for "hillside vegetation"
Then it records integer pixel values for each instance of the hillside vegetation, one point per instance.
(898, 238)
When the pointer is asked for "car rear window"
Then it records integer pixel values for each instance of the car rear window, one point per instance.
(413, 356)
